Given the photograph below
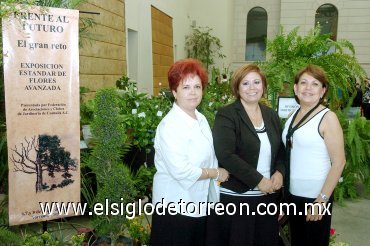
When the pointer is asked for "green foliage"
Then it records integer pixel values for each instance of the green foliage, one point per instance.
(70, 4)
(217, 94)
(357, 148)
(290, 52)
(86, 112)
(123, 83)
(7, 237)
(3, 162)
(108, 133)
(138, 231)
(143, 180)
(201, 45)
(114, 182)
(8, 6)
(141, 113)
(47, 239)
(119, 189)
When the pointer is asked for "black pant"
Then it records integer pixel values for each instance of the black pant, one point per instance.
(177, 230)
(245, 229)
(308, 233)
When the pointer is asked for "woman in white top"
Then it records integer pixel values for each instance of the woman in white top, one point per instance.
(187, 170)
(314, 138)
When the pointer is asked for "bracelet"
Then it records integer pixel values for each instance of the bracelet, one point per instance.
(207, 173)
(218, 174)
(324, 197)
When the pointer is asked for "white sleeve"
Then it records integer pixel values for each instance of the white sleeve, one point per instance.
(172, 144)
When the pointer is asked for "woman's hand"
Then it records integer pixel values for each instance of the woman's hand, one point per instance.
(265, 185)
(277, 180)
(316, 210)
(224, 175)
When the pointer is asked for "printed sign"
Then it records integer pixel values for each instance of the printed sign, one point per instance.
(286, 105)
(41, 79)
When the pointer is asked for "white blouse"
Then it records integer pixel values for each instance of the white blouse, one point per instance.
(183, 146)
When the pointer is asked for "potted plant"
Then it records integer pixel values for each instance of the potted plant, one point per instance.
(202, 45)
(141, 114)
(290, 52)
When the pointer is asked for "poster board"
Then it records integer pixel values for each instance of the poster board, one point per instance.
(41, 80)
(286, 105)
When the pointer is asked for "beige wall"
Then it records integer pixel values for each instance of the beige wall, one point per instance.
(241, 10)
(353, 23)
(218, 15)
(103, 60)
(138, 18)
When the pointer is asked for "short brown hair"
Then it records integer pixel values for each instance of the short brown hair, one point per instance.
(316, 72)
(241, 72)
(182, 68)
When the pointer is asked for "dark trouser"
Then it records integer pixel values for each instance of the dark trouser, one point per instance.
(177, 230)
(308, 233)
(243, 230)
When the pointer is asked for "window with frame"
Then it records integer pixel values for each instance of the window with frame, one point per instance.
(327, 17)
(256, 35)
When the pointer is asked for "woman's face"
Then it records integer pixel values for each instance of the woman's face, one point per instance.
(309, 90)
(189, 93)
(251, 88)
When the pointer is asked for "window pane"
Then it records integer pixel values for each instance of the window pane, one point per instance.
(256, 34)
(327, 17)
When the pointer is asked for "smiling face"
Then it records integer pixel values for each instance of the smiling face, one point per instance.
(309, 90)
(189, 93)
(251, 88)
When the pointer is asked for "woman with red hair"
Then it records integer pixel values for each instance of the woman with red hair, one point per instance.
(187, 169)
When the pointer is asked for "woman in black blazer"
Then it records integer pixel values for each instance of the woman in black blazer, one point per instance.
(247, 141)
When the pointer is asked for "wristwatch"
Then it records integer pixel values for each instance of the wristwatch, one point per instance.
(324, 197)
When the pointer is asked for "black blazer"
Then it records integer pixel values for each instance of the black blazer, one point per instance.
(237, 145)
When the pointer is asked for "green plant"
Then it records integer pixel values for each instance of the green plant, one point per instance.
(357, 146)
(8, 237)
(47, 239)
(143, 180)
(123, 83)
(216, 95)
(290, 52)
(141, 114)
(138, 231)
(86, 112)
(113, 179)
(3, 160)
(332, 238)
(117, 189)
(202, 45)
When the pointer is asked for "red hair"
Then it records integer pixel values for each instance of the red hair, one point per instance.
(182, 68)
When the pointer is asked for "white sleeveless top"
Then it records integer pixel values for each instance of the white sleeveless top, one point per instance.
(309, 159)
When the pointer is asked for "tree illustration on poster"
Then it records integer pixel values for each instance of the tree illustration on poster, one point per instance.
(50, 156)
